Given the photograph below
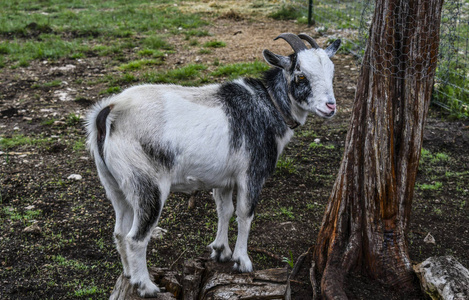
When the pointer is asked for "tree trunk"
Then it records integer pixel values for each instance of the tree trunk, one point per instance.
(366, 221)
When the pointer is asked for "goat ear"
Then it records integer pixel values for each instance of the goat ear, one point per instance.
(276, 60)
(332, 49)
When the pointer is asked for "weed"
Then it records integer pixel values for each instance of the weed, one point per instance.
(93, 290)
(286, 165)
(79, 146)
(289, 260)
(288, 212)
(432, 187)
(73, 119)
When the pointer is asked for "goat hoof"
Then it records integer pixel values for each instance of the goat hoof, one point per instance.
(221, 253)
(243, 266)
(147, 290)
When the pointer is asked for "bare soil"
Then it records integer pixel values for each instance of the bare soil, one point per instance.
(70, 246)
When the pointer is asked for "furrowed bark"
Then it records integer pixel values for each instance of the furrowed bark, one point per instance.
(366, 221)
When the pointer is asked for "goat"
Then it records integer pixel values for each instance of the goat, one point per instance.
(151, 140)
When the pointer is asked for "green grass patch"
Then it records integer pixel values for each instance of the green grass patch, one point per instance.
(58, 29)
(184, 76)
(138, 64)
(53, 83)
(430, 187)
(21, 140)
(214, 44)
(232, 71)
(111, 90)
(156, 43)
(286, 165)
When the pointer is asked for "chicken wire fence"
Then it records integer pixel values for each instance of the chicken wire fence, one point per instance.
(351, 20)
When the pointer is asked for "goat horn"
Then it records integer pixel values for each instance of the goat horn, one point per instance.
(295, 42)
(309, 39)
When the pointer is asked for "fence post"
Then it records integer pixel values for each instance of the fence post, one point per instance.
(310, 13)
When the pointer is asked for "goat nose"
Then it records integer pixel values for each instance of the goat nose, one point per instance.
(331, 106)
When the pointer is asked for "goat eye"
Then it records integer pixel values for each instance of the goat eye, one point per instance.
(301, 77)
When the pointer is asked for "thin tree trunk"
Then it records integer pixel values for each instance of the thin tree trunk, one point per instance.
(366, 221)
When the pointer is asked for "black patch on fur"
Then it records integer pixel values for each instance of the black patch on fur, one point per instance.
(159, 154)
(101, 127)
(254, 119)
(149, 206)
(300, 89)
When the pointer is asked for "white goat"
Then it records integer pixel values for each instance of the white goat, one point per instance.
(153, 139)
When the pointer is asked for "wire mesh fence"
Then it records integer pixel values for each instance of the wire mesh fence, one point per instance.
(351, 20)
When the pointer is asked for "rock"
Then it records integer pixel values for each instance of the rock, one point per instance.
(75, 177)
(32, 229)
(158, 233)
(429, 239)
(317, 141)
(443, 278)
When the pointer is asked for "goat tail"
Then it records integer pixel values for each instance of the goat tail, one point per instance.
(98, 125)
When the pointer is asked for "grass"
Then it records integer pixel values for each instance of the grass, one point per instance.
(430, 187)
(20, 140)
(139, 64)
(186, 75)
(214, 44)
(286, 165)
(236, 70)
(57, 29)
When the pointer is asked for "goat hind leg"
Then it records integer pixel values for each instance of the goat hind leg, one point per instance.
(220, 248)
(147, 210)
(123, 213)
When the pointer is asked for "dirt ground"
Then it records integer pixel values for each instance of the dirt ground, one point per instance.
(56, 233)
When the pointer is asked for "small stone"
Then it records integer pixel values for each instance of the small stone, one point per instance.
(158, 233)
(29, 207)
(429, 239)
(317, 141)
(75, 177)
(32, 229)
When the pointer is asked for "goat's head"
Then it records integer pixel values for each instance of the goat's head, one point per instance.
(308, 72)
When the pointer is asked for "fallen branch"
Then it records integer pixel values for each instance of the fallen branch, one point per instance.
(312, 278)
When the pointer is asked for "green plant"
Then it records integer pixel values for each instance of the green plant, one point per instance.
(432, 187)
(289, 260)
(286, 165)
(288, 212)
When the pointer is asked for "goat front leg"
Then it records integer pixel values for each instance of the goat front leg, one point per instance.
(245, 214)
(221, 251)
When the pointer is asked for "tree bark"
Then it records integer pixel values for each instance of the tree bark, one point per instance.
(366, 221)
